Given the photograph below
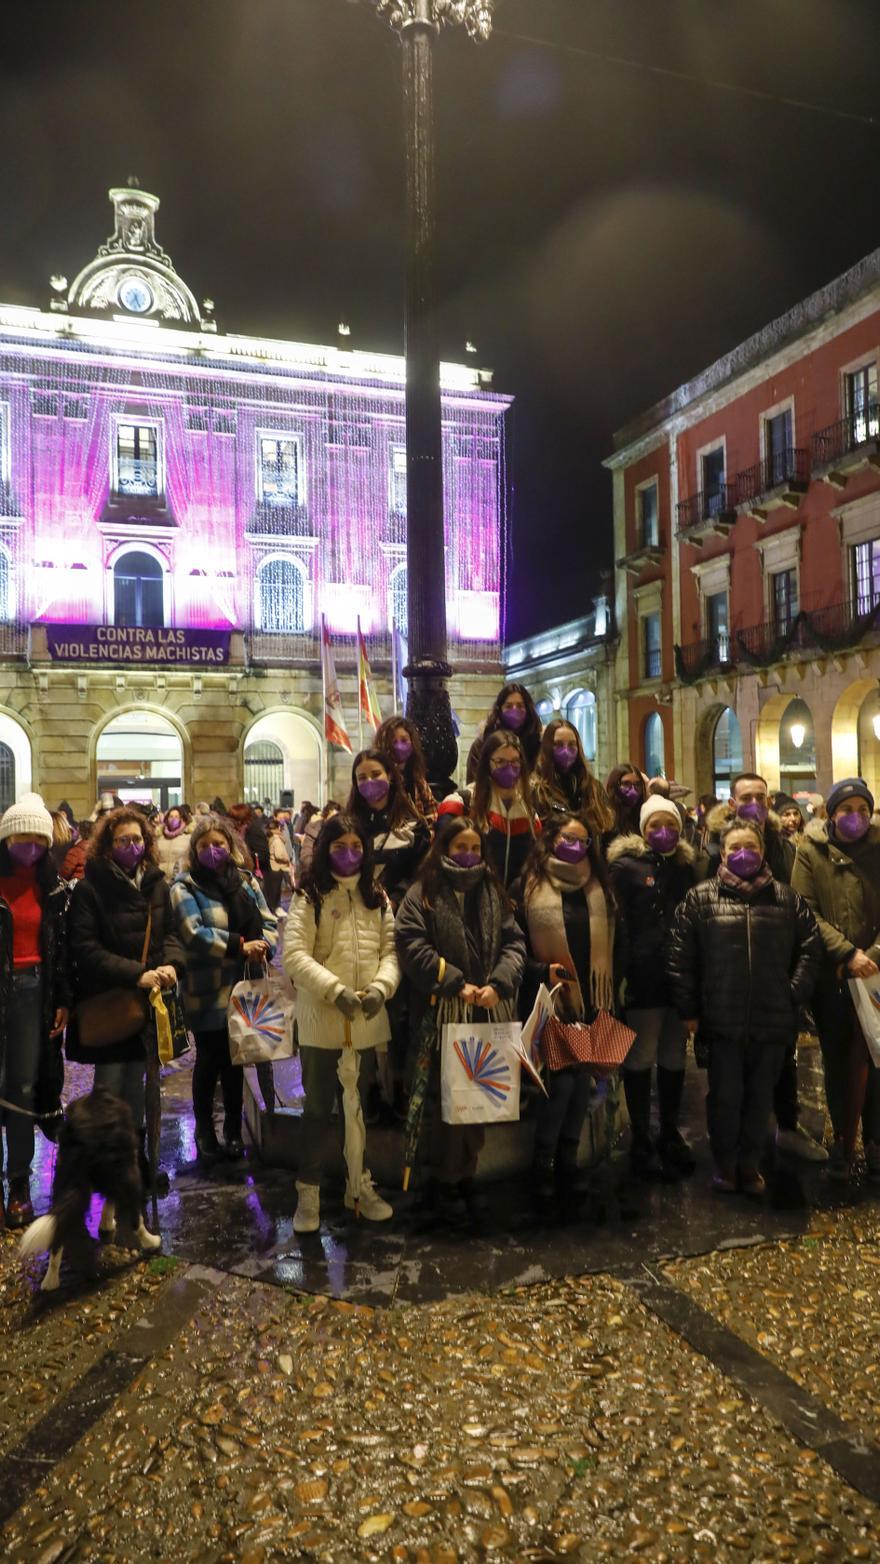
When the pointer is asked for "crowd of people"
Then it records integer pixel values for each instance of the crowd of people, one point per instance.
(738, 923)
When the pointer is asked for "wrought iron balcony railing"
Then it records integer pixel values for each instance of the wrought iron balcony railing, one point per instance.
(832, 627)
(707, 508)
(789, 467)
(847, 435)
(280, 521)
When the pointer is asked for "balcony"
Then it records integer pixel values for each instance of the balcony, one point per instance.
(642, 558)
(848, 446)
(271, 520)
(781, 479)
(14, 640)
(820, 631)
(268, 648)
(710, 512)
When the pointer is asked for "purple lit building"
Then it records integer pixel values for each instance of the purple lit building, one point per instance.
(178, 508)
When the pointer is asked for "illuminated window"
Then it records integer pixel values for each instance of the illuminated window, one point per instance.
(861, 404)
(651, 646)
(580, 711)
(397, 481)
(655, 748)
(280, 470)
(544, 709)
(137, 459)
(717, 627)
(281, 597)
(866, 575)
(398, 610)
(649, 520)
(138, 590)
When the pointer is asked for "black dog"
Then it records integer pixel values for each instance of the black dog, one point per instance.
(97, 1154)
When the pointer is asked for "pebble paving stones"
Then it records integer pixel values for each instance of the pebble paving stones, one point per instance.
(557, 1421)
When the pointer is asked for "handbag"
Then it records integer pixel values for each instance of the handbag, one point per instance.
(480, 1072)
(602, 1045)
(118, 1013)
(866, 1000)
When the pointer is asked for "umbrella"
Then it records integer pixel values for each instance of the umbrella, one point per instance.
(426, 1042)
(153, 1104)
(355, 1131)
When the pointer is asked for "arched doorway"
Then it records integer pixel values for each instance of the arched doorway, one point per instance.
(855, 741)
(580, 711)
(797, 749)
(869, 741)
(139, 756)
(283, 760)
(654, 745)
(727, 752)
(15, 761)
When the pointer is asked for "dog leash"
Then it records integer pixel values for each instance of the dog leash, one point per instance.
(56, 1113)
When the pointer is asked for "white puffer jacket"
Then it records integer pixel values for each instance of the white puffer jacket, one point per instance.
(352, 946)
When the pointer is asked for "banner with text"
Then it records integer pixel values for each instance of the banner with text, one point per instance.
(124, 644)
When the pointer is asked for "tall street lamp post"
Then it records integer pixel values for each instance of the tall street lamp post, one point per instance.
(418, 22)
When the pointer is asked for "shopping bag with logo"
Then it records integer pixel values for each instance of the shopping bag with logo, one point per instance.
(480, 1072)
(260, 1020)
(533, 1028)
(866, 998)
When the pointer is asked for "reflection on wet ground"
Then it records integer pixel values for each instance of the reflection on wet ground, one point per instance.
(239, 1218)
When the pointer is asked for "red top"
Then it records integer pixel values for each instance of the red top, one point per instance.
(20, 892)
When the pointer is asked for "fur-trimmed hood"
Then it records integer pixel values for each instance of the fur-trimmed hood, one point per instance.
(817, 831)
(634, 846)
(718, 817)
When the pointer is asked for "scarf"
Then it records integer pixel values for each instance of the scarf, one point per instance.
(745, 887)
(470, 940)
(546, 922)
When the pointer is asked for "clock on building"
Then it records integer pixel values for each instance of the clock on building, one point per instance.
(135, 295)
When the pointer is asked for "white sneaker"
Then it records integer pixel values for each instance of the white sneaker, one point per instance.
(799, 1144)
(307, 1218)
(107, 1223)
(370, 1202)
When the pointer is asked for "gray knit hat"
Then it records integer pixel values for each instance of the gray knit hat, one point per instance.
(29, 815)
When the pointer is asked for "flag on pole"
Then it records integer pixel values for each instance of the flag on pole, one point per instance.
(401, 658)
(371, 711)
(334, 722)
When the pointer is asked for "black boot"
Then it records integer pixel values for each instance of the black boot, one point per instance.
(644, 1160)
(675, 1153)
(207, 1144)
(543, 1180)
(571, 1179)
(162, 1182)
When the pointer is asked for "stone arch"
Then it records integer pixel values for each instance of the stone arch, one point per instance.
(767, 736)
(845, 748)
(134, 710)
(705, 738)
(299, 736)
(15, 735)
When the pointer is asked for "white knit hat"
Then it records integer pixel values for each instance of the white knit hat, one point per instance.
(657, 805)
(28, 815)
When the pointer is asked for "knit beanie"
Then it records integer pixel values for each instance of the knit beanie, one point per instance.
(28, 815)
(850, 787)
(655, 805)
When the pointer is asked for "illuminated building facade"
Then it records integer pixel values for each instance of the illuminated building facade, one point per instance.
(178, 508)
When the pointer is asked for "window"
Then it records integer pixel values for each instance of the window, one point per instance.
(45, 404)
(727, 752)
(649, 521)
(544, 709)
(655, 747)
(138, 590)
(785, 599)
(280, 470)
(398, 608)
(861, 404)
(281, 597)
(397, 481)
(7, 776)
(778, 441)
(866, 575)
(713, 480)
(137, 459)
(6, 613)
(76, 408)
(580, 711)
(651, 646)
(717, 627)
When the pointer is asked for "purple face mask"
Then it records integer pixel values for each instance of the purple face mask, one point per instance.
(513, 717)
(851, 827)
(26, 854)
(213, 857)
(753, 810)
(507, 774)
(374, 791)
(745, 861)
(128, 855)
(564, 756)
(629, 792)
(570, 852)
(466, 860)
(402, 750)
(345, 861)
(664, 840)
(172, 827)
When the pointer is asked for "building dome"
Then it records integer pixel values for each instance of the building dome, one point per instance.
(131, 274)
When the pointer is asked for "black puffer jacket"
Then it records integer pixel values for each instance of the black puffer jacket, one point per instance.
(648, 888)
(778, 850)
(56, 996)
(744, 965)
(106, 927)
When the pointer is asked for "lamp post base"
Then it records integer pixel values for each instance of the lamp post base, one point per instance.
(429, 707)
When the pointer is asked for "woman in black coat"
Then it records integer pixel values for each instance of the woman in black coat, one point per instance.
(122, 886)
(745, 954)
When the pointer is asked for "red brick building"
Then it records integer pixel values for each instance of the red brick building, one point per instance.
(747, 541)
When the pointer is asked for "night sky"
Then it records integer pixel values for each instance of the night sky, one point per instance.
(606, 230)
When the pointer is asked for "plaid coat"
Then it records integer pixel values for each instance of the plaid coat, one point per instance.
(214, 963)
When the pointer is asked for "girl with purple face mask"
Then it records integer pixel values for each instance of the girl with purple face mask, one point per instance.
(398, 741)
(513, 712)
(651, 872)
(625, 787)
(339, 954)
(34, 988)
(500, 804)
(745, 955)
(227, 929)
(563, 783)
(398, 834)
(122, 892)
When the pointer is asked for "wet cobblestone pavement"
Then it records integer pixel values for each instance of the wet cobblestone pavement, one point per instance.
(659, 1374)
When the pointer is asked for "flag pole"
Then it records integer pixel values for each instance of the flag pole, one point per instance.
(326, 746)
(393, 664)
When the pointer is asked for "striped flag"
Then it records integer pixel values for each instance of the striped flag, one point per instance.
(335, 731)
(369, 701)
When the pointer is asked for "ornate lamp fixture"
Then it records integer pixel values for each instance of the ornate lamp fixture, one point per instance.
(475, 15)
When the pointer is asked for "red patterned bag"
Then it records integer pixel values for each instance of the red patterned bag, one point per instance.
(603, 1045)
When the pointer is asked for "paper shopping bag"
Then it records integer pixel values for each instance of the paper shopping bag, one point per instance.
(533, 1028)
(260, 1019)
(866, 998)
(479, 1072)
